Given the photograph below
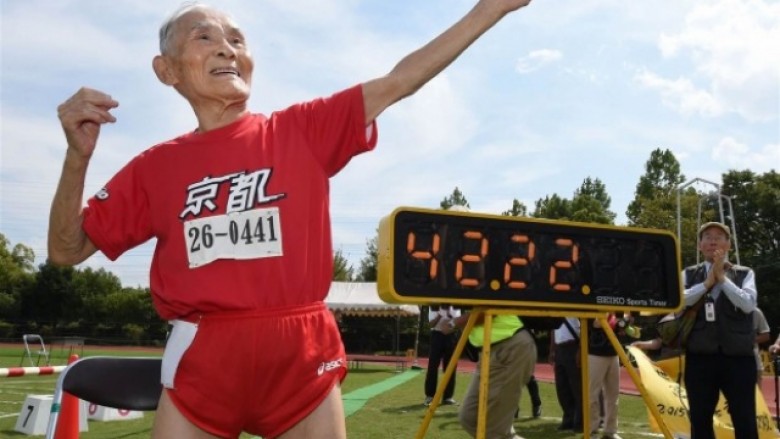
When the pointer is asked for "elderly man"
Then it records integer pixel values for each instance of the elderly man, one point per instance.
(239, 208)
(719, 353)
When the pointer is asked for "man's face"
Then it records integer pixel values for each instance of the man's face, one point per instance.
(713, 239)
(208, 57)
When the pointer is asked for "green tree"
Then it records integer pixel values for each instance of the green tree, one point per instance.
(91, 287)
(656, 199)
(591, 203)
(518, 209)
(342, 271)
(552, 207)
(662, 177)
(51, 295)
(756, 202)
(16, 277)
(367, 272)
(455, 199)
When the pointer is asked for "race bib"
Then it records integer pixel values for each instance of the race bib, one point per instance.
(250, 234)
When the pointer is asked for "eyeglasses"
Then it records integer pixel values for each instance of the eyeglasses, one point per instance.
(714, 238)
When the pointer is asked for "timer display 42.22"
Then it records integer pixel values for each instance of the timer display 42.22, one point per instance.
(437, 256)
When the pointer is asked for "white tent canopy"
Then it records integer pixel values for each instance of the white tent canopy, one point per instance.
(362, 299)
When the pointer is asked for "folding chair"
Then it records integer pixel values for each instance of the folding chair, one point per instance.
(131, 383)
(42, 352)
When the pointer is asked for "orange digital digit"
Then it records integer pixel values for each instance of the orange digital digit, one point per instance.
(472, 258)
(519, 261)
(562, 242)
(425, 255)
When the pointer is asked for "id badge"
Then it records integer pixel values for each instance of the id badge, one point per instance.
(709, 311)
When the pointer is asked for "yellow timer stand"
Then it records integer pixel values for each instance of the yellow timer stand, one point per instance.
(484, 365)
(500, 265)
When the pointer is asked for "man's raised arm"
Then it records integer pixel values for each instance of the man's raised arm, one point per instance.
(81, 117)
(420, 66)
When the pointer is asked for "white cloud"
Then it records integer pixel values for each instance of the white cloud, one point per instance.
(537, 59)
(733, 47)
(739, 156)
(682, 95)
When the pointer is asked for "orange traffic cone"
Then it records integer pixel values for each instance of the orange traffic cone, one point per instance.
(68, 422)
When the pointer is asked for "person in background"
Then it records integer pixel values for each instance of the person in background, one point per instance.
(761, 328)
(719, 355)
(536, 400)
(443, 344)
(603, 379)
(512, 361)
(565, 357)
(774, 348)
(239, 207)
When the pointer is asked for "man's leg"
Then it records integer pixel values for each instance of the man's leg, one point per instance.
(325, 422)
(434, 359)
(611, 391)
(447, 350)
(563, 390)
(511, 364)
(597, 367)
(574, 378)
(739, 389)
(703, 393)
(169, 422)
(536, 400)
(568, 386)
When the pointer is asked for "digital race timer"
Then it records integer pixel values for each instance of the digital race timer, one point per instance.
(436, 256)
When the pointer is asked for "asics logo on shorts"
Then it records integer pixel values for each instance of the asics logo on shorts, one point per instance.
(330, 365)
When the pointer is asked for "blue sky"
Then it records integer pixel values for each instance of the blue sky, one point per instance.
(557, 92)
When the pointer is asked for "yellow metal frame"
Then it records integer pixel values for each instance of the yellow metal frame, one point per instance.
(485, 365)
(491, 307)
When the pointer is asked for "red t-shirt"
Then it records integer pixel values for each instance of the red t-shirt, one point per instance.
(240, 213)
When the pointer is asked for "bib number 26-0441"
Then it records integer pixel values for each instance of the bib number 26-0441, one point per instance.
(250, 234)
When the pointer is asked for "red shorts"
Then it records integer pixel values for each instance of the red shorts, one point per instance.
(259, 371)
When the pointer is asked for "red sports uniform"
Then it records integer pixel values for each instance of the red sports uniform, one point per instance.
(241, 217)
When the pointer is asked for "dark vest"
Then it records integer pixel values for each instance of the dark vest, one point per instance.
(598, 342)
(732, 331)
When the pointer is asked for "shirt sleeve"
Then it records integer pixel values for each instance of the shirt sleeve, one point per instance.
(117, 218)
(762, 326)
(335, 128)
(743, 298)
(694, 293)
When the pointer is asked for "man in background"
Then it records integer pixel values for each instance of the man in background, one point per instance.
(442, 346)
(565, 357)
(719, 355)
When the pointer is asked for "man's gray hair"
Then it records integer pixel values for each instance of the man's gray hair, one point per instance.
(167, 27)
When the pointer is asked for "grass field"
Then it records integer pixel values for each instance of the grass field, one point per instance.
(394, 414)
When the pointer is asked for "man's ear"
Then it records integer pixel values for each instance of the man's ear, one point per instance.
(163, 70)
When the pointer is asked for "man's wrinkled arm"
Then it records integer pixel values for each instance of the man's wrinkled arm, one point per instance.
(68, 244)
(422, 65)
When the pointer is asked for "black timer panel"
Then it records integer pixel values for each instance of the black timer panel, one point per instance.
(465, 257)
